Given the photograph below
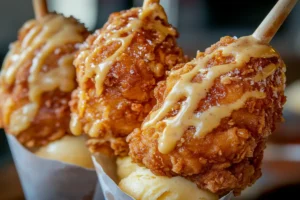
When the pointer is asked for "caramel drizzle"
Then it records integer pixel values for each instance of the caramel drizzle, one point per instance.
(242, 49)
(55, 31)
(99, 72)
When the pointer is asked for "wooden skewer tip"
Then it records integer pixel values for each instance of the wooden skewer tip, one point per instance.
(40, 8)
(273, 21)
(149, 2)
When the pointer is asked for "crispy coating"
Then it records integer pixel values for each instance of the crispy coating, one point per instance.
(127, 95)
(229, 157)
(51, 120)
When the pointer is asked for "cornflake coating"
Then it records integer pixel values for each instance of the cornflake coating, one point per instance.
(117, 70)
(37, 79)
(228, 157)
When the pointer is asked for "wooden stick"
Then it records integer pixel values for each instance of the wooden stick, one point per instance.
(270, 25)
(148, 2)
(40, 8)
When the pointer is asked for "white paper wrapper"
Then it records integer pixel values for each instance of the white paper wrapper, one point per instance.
(44, 179)
(110, 189)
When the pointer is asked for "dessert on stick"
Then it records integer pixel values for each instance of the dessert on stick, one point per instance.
(214, 114)
(117, 70)
(36, 82)
(38, 76)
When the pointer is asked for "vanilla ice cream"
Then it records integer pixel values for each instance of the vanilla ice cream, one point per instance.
(68, 149)
(142, 184)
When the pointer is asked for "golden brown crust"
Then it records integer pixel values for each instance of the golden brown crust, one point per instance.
(229, 157)
(51, 121)
(128, 87)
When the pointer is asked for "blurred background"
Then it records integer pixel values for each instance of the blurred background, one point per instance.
(200, 23)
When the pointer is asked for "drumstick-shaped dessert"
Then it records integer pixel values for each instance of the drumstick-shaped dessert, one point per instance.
(38, 76)
(117, 70)
(215, 113)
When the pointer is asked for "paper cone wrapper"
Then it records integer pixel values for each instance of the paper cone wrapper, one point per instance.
(44, 179)
(106, 171)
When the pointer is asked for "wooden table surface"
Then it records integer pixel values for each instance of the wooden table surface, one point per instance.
(10, 187)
